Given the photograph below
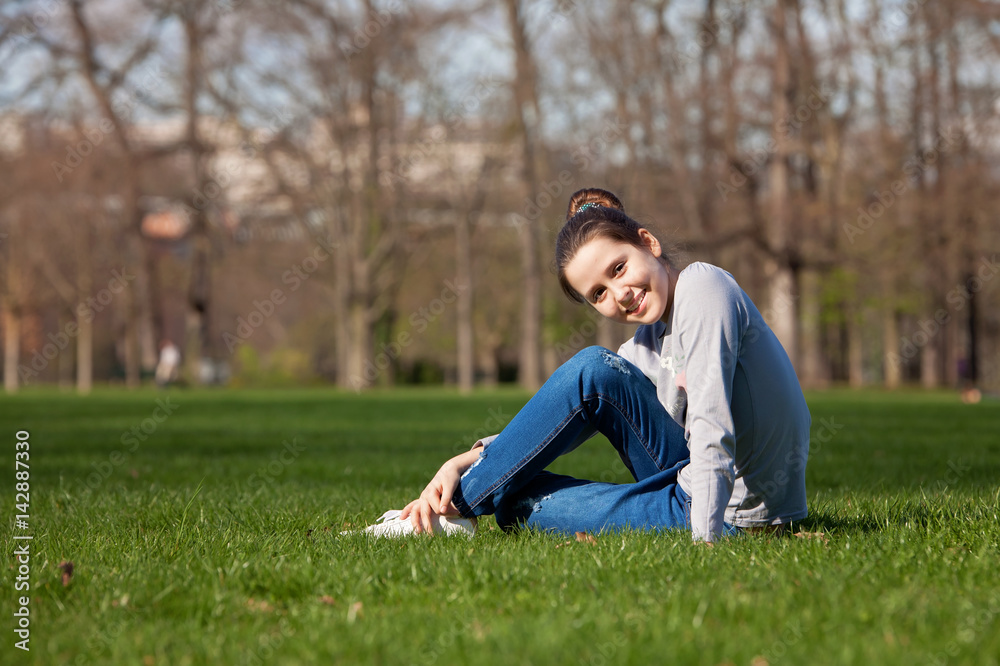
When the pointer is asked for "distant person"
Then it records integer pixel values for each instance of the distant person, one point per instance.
(702, 405)
(167, 367)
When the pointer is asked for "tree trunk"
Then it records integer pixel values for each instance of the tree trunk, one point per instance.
(198, 346)
(855, 346)
(200, 287)
(342, 304)
(11, 311)
(930, 359)
(932, 354)
(133, 353)
(362, 370)
(890, 343)
(488, 365)
(84, 357)
(11, 341)
(463, 306)
(130, 191)
(85, 325)
(155, 291)
(783, 297)
(530, 370)
(65, 361)
(814, 367)
(527, 118)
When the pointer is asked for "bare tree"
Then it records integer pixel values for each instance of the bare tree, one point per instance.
(13, 295)
(527, 119)
(104, 83)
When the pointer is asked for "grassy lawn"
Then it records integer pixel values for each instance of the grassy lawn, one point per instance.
(211, 536)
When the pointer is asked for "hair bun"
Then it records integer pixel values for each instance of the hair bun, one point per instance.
(594, 196)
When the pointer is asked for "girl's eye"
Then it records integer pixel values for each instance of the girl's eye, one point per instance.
(597, 294)
(619, 268)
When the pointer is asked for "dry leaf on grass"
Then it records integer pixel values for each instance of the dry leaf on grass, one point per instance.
(261, 606)
(813, 535)
(585, 538)
(328, 600)
(67, 572)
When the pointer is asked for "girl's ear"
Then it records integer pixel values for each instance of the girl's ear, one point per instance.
(650, 242)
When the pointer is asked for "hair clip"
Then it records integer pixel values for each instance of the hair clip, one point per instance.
(586, 206)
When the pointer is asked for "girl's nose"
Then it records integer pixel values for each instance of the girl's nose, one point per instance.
(622, 294)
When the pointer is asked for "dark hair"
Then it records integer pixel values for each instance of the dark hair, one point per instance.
(593, 213)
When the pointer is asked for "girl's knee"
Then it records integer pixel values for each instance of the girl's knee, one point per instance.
(589, 354)
(598, 360)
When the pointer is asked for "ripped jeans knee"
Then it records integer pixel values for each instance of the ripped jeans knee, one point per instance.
(600, 365)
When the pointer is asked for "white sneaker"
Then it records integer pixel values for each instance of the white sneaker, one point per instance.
(391, 525)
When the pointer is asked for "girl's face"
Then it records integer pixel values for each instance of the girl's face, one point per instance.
(623, 282)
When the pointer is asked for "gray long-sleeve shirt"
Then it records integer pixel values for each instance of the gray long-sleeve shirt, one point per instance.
(721, 373)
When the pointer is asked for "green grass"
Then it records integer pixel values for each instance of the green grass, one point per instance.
(213, 543)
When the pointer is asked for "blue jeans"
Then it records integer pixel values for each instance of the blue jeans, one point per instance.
(595, 391)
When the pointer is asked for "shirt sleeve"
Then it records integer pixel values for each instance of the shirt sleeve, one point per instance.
(484, 442)
(712, 319)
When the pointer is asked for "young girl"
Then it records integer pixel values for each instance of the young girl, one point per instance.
(702, 405)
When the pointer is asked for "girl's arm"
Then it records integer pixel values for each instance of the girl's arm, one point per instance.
(436, 497)
(712, 320)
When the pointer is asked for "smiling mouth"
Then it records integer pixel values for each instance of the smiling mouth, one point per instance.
(637, 303)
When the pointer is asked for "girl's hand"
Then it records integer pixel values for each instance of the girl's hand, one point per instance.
(436, 497)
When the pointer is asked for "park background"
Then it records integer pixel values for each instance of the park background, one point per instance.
(367, 193)
(343, 214)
